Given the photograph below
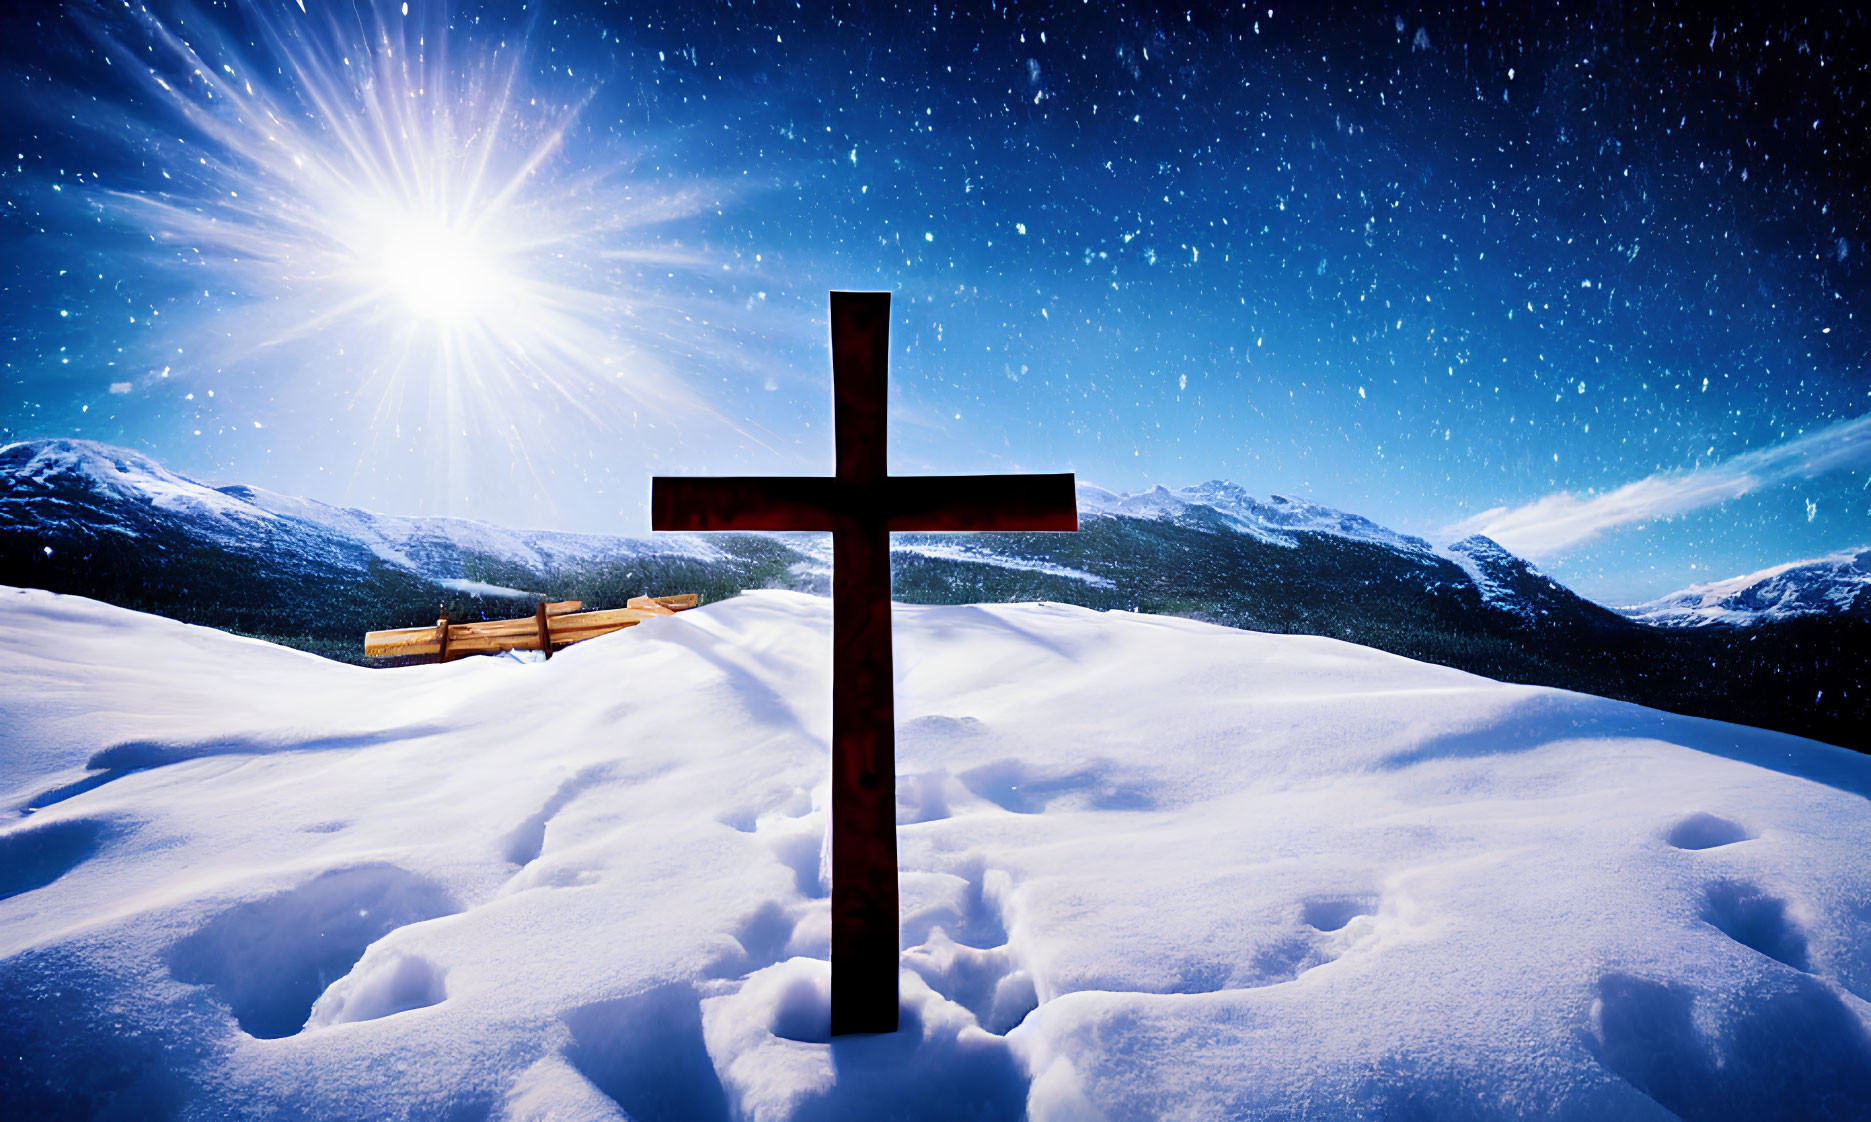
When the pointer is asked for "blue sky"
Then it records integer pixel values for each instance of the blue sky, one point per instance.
(1589, 282)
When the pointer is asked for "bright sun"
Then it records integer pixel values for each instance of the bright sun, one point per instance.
(444, 274)
(394, 215)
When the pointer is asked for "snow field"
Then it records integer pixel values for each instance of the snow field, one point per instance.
(1151, 869)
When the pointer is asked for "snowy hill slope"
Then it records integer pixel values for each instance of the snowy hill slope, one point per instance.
(1151, 868)
(1839, 584)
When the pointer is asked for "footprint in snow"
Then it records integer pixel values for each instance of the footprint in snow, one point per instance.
(1329, 928)
(40, 854)
(1756, 919)
(269, 959)
(793, 830)
(964, 954)
(1706, 831)
(1332, 913)
(526, 841)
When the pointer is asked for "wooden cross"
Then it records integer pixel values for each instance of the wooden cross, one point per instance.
(861, 505)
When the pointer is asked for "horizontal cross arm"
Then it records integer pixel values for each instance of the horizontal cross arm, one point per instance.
(936, 503)
(743, 502)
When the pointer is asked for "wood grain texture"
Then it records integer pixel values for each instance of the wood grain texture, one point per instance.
(527, 634)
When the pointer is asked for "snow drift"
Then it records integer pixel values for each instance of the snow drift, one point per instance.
(1151, 868)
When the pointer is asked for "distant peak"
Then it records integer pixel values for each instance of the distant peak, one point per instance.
(1836, 584)
(1275, 521)
(76, 449)
(1478, 545)
(123, 472)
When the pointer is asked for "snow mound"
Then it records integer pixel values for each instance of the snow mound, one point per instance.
(1150, 868)
(1836, 584)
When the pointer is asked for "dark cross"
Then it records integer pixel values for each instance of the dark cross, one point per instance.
(861, 505)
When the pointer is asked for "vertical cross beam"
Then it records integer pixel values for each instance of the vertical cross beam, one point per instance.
(863, 827)
(861, 504)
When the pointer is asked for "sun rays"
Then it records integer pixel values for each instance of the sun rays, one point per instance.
(396, 218)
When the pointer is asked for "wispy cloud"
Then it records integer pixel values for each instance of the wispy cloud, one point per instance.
(1555, 523)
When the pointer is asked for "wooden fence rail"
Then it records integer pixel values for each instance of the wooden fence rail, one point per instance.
(552, 626)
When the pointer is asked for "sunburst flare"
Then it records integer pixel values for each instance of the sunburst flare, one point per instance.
(399, 218)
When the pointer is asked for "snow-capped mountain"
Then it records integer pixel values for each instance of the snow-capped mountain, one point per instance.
(77, 516)
(80, 495)
(1838, 584)
(1303, 536)
(1277, 520)
(114, 525)
(68, 474)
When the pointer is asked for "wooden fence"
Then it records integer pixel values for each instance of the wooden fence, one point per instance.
(552, 626)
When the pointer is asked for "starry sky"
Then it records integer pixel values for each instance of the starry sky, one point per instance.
(1587, 279)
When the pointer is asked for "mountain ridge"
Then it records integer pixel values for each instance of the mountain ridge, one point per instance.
(432, 547)
(85, 518)
(1836, 584)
